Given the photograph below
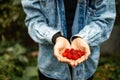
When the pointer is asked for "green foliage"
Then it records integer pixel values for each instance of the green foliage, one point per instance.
(15, 60)
(11, 19)
(109, 68)
(15, 64)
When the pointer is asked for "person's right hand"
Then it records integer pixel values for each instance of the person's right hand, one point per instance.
(60, 45)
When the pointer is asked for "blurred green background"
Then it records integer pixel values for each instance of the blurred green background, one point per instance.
(18, 53)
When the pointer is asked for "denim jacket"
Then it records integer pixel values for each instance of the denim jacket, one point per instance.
(93, 22)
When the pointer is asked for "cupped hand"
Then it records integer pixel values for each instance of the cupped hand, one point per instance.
(80, 44)
(60, 45)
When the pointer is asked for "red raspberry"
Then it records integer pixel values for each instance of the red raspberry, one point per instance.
(79, 53)
(82, 53)
(69, 55)
(67, 50)
(72, 51)
(64, 54)
(75, 56)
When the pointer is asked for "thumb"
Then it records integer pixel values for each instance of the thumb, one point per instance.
(56, 54)
(87, 52)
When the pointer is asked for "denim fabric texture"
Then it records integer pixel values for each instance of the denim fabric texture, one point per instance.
(94, 20)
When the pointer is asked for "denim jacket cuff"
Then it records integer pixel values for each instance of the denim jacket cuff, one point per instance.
(55, 36)
(80, 36)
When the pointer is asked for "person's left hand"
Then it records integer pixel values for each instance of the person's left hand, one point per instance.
(80, 44)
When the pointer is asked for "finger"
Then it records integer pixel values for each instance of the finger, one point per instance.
(83, 58)
(76, 63)
(63, 59)
(72, 64)
(80, 60)
(56, 54)
(87, 53)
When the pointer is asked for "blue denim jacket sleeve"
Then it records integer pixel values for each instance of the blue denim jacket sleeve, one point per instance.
(101, 17)
(36, 22)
